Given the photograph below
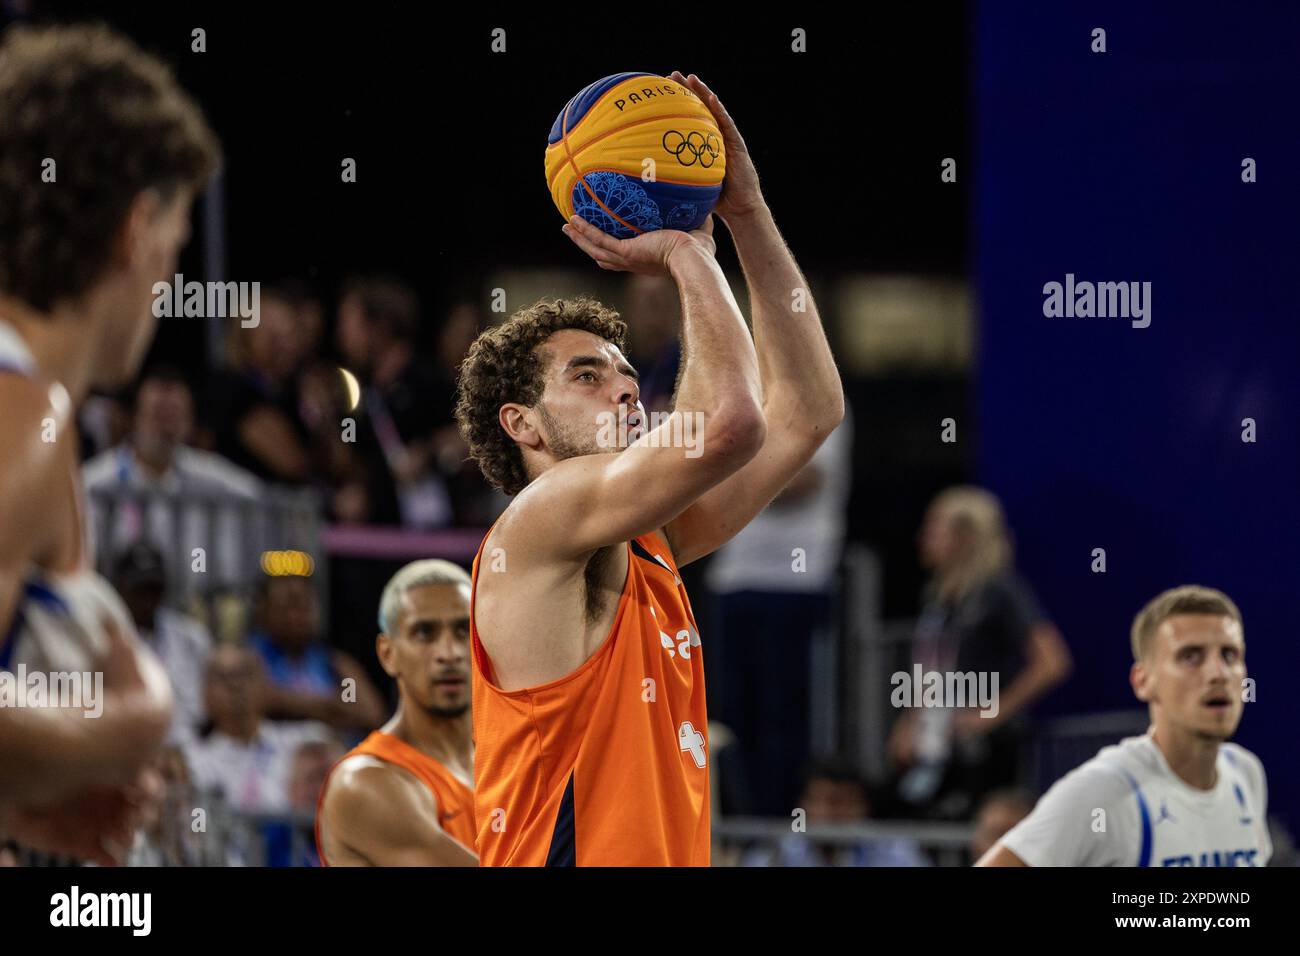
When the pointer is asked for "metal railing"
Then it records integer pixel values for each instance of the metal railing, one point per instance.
(211, 544)
(945, 843)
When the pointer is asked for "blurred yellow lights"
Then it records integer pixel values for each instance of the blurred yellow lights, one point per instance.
(287, 564)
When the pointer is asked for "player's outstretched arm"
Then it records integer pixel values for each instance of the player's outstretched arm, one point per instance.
(585, 503)
(383, 816)
(50, 753)
(803, 400)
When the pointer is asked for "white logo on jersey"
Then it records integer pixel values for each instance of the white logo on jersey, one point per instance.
(691, 741)
(687, 638)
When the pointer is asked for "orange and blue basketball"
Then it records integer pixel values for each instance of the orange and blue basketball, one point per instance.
(633, 153)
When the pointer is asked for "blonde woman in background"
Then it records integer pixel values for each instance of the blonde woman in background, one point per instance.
(978, 617)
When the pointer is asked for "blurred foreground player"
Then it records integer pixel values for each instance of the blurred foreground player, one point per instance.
(101, 155)
(589, 708)
(404, 796)
(1181, 795)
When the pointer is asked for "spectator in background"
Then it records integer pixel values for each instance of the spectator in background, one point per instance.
(166, 836)
(256, 416)
(402, 404)
(309, 317)
(306, 675)
(164, 491)
(980, 617)
(181, 642)
(774, 583)
(998, 813)
(295, 844)
(245, 757)
(835, 793)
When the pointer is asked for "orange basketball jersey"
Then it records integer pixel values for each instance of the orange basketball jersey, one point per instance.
(607, 766)
(455, 800)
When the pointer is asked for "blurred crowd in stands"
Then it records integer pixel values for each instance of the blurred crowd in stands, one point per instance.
(273, 412)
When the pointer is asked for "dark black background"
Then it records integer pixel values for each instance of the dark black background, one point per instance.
(449, 140)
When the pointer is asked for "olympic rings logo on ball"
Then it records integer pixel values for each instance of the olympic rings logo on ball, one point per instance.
(287, 564)
(699, 147)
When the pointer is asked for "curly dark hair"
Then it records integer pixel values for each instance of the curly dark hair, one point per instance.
(505, 365)
(115, 122)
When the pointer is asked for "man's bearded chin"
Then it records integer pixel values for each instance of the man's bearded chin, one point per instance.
(564, 442)
(447, 713)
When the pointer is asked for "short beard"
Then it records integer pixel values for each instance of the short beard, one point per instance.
(446, 713)
(564, 442)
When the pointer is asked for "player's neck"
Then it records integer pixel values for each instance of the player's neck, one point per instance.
(1192, 759)
(446, 739)
(57, 341)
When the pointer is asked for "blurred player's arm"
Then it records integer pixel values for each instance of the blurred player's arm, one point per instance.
(803, 400)
(48, 753)
(379, 815)
(586, 503)
(80, 787)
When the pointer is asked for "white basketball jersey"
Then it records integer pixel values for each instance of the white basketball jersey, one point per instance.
(1125, 807)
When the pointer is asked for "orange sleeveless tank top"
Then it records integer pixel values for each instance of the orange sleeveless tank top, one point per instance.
(607, 766)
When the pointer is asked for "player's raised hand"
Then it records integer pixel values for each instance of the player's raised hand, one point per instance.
(740, 190)
(646, 254)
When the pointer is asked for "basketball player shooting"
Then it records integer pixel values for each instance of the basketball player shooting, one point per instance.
(123, 151)
(1181, 795)
(404, 797)
(589, 707)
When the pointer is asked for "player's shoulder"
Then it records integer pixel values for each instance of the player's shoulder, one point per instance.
(1239, 758)
(1134, 758)
(1107, 778)
(534, 504)
(1235, 754)
(537, 517)
(30, 406)
(21, 387)
(360, 781)
(37, 444)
